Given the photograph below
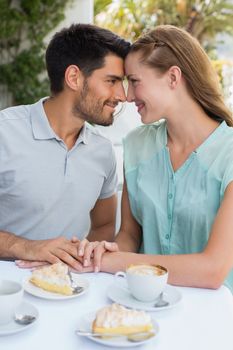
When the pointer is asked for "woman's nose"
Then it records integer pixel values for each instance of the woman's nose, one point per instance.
(130, 95)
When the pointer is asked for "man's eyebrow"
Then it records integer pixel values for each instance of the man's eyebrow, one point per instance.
(117, 77)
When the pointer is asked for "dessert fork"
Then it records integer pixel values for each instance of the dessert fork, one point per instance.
(134, 337)
(76, 289)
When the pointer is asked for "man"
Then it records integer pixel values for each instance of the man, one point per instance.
(56, 169)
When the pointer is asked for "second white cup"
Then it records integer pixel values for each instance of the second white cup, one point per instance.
(11, 295)
(145, 282)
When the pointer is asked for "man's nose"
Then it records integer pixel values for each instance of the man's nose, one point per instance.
(120, 94)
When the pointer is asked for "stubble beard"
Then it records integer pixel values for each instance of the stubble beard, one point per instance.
(89, 109)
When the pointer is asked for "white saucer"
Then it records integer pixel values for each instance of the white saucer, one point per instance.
(12, 327)
(40, 293)
(123, 297)
(85, 324)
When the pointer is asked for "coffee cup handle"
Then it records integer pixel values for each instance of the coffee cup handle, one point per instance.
(122, 275)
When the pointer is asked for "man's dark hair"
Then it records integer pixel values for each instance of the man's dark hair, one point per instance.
(84, 45)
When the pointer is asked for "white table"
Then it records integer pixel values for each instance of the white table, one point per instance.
(202, 321)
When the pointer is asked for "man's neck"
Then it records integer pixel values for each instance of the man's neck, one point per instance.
(58, 110)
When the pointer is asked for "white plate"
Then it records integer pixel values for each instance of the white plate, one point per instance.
(40, 293)
(13, 327)
(85, 324)
(123, 297)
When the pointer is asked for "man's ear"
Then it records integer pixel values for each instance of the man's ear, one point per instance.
(73, 77)
(174, 76)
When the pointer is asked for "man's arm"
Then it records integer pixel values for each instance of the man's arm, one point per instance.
(103, 217)
(103, 220)
(11, 246)
(50, 250)
(128, 238)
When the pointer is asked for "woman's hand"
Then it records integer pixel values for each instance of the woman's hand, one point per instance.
(92, 252)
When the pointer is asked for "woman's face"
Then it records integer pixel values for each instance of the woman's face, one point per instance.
(148, 89)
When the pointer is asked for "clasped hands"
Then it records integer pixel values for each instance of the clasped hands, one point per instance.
(81, 256)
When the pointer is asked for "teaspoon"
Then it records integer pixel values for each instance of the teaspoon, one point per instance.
(24, 319)
(161, 302)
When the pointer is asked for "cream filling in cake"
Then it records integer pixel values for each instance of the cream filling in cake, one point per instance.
(116, 319)
(53, 278)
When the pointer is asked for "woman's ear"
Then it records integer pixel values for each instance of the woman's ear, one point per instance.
(174, 76)
(73, 77)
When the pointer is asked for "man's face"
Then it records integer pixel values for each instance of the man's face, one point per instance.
(101, 92)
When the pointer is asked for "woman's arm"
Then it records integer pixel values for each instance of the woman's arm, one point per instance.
(129, 236)
(206, 269)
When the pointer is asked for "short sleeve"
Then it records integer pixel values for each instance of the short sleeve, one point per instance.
(141, 144)
(227, 177)
(132, 147)
(110, 183)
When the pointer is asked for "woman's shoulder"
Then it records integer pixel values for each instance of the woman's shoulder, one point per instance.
(143, 142)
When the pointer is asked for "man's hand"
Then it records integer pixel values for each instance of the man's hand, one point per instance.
(27, 264)
(51, 251)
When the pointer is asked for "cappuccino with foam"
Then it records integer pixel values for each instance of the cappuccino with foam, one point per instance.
(149, 270)
(145, 282)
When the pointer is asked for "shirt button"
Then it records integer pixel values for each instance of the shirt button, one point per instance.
(170, 195)
(169, 216)
(167, 236)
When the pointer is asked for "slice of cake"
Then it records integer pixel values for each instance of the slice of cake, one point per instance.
(53, 278)
(116, 319)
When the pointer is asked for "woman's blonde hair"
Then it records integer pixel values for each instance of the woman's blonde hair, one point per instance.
(167, 46)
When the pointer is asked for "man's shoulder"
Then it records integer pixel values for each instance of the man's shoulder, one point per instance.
(15, 112)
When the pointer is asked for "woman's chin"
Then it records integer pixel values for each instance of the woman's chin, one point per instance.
(146, 119)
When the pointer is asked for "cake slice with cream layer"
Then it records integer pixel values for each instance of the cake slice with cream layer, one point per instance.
(53, 278)
(116, 319)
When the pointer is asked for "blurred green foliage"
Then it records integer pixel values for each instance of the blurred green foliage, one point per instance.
(202, 18)
(23, 27)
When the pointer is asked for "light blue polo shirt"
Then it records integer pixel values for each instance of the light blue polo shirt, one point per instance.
(176, 209)
(46, 190)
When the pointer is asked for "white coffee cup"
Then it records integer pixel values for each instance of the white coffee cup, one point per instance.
(11, 295)
(145, 282)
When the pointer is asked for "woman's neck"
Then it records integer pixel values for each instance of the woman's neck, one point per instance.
(189, 126)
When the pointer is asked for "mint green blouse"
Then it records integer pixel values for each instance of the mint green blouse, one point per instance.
(176, 209)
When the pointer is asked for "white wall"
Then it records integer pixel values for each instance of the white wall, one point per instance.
(123, 124)
(78, 11)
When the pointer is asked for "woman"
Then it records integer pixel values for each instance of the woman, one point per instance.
(177, 203)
